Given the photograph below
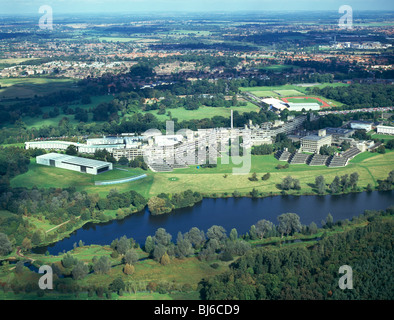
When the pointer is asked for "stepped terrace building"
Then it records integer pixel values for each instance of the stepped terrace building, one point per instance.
(74, 163)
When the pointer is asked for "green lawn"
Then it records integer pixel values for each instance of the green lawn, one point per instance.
(49, 177)
(370, 166)
(202, 112)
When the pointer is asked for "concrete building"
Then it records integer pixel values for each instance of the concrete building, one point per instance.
(313, 143)
(385, 129)
(303, 106)
(361, 125)
(74, 163)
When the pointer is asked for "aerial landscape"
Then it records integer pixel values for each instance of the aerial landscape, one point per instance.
(197, 151)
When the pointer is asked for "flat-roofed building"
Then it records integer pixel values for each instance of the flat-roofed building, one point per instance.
(303, 106)
(385, 129)
(361, 125)
(313, 143)
(74, 163)
(129, 153)
(50, 145)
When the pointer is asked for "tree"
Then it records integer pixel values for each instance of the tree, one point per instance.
(289, 223)
(149, 244)
(253, 177)
(128, 269)
(123, 161)
(68, 261)
(131, 257)
(262, 227)
(254, 193)
(233, 234)
(329, 221)
(183, 246)
(312, 228)
(102, 266)
(320, 184)
(216, 232)
(38, 237)
(162, 237)
(196, 237)
(72, 150)
(353, 180)
(80, 270)
(5, 245)
(165, 259)
(335, 185)
(123, 245)
(117, 285)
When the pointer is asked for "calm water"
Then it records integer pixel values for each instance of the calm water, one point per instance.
(239, 213)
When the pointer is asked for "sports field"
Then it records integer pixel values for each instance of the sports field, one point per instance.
(295, 93)
(304, 99)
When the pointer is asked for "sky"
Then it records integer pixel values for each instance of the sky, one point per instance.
(129, 6)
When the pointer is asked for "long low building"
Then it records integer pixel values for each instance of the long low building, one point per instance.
(385, 129)
(74, 163)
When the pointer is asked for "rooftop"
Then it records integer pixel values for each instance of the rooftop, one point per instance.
(74, 160)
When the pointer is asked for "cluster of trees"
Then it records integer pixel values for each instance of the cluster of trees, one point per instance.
(339, 184)
(165, 202)
(59, 206)
(290, 183)
(13, 161)
(312, 273)
(214, 244)
(359, 95)
(388, 183)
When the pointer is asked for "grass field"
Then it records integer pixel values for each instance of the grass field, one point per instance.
(12, 88)
(38, 122)
(47, 177)
(203, 112)
(219, 180)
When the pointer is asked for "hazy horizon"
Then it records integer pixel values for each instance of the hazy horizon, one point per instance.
(167, 6)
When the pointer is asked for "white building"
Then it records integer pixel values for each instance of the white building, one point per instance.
(74, 163)
(385, 129)
(361, 125)
(303, 106)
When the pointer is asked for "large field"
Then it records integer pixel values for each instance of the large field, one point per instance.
(38, 122)
(219, 180)
(203, 112)
(12, 88)
(47, 177)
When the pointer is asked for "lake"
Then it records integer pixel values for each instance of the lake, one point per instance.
(239, 213)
